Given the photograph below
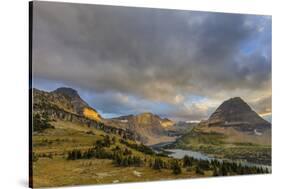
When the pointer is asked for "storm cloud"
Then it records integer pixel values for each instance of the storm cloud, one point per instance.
(179, 64)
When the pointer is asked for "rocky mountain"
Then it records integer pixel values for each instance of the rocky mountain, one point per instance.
(150, 128)
(236, 113)
(66, 99)
(66, 104)
(233, 131)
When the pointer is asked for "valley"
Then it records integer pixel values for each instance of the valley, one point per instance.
(217, 146)
(52, 168)
(133, 94)
(71, 146)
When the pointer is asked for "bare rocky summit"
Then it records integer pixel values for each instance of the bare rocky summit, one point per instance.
(236, 113)
(66, 99)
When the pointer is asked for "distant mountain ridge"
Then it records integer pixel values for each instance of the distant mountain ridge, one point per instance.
(150, 128)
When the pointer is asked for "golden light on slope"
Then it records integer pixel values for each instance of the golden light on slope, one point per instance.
(265, 114)
(91, 114)
(167, 124)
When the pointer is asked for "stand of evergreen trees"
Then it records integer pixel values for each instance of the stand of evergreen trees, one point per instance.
(127, 161)
(40, 122)
(120, 157)
(100, 153)
(139, 147)
(124, 157)
(159, 164)
(221, 168)
(229, 168)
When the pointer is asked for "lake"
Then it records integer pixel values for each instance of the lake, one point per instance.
(179, 154)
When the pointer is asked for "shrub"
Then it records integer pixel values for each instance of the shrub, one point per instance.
(176, 167)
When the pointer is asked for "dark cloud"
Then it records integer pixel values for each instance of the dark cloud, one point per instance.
(153, 55)
(262, 105)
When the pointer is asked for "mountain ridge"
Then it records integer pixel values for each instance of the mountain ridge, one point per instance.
(148, 127)
(151, 128)
(67, 99)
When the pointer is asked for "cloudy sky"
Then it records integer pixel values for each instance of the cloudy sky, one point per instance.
(177, 64)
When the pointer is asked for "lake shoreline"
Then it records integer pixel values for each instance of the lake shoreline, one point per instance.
(180, 153)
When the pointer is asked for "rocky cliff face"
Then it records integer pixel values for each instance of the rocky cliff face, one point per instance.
(73, 98)
(167, 123)
(238, 114)
(65, 104)
(67, 99)
(150, 128)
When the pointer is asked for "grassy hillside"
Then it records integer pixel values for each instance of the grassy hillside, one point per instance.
(227, 143)
(72, 146)
(113, 159)
(51, 167)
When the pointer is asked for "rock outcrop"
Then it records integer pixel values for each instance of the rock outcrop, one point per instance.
(67, 99)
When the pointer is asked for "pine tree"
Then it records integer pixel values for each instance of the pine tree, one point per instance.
(199, 171)
(158, 164)
(176, 167)
(187, 161)
(106, 141)
(224, 170)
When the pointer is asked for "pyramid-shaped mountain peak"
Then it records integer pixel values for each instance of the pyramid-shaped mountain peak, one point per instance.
(235, 112)
(234, 105)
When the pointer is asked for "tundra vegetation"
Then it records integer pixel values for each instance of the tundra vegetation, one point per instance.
(72, 154)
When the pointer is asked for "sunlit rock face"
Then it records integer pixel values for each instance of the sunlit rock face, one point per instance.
(68, 100)
(91, 114)
(166, 123)
(150, 128)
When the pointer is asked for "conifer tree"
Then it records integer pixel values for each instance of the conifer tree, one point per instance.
(176, 167)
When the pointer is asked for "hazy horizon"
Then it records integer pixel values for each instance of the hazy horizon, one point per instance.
(177, 64)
